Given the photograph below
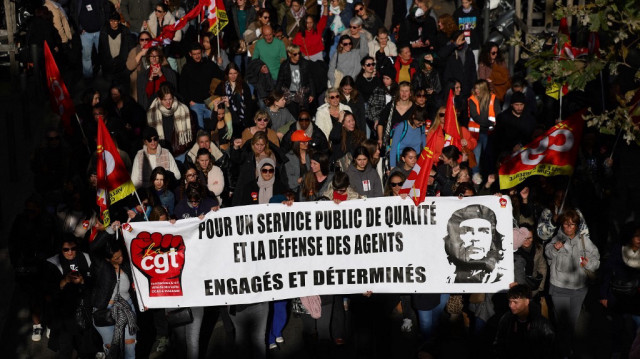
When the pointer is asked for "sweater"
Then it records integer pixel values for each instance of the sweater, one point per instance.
(366, 183)
(195, 79)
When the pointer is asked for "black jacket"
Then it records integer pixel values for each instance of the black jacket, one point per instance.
(115, 65)
(318, 139)
(195, 79)
(103, 273)
(454, 68)
(536, 341)
(306, 82)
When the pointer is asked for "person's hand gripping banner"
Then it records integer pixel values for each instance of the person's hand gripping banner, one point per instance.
(161, 259)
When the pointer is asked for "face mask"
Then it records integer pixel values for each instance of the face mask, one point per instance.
(419, 12)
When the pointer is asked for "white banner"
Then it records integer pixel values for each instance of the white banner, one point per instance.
(268, 252)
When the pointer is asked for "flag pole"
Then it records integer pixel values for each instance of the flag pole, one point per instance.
(83, 135)
(564, 197)
(615, 143)
(142, 206)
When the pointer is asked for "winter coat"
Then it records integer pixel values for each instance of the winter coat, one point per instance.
(136, 11)
(564, 264)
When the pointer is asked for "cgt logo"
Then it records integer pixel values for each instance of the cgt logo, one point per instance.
(160, 257)
(560, 140)
(160, 262)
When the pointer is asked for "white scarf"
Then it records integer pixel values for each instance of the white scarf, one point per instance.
(630, 257)
(181, 119)
(336, 26)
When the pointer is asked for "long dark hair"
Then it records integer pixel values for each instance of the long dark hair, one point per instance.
(232, 66)
(315, 25)
(485, 54)
(357, 136)
(348, 81)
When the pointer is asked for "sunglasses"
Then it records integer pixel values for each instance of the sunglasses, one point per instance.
(355, 27)
(266, 17)
(346, 44)
(304, 119)
(262, 120)
(333, 97)
(146, 39)
(421, 95)
(371, 64)
(359, 9)
(441, 114)
(295, 54)
(67, 249)
(395, 184)
(194, 201)
(160, 11)
(267, 170)
(494, 52)
(153, 139)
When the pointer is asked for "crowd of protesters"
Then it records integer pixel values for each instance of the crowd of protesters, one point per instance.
(303, 101)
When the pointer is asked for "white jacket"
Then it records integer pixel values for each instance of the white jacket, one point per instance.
(152, 24)
(323, 118)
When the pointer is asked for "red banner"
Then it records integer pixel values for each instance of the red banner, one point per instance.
(416, 184)
(451, 127)
(61, 102)
(169, 31)
(113, 177)
(552, 154)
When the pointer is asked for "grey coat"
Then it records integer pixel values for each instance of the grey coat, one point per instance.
(136, 11)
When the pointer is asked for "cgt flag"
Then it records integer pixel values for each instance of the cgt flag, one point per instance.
(218, 18)
(61, 102)
(416, 184)
(451, 128)
(169, 31)
(551, 154)
(113, 178)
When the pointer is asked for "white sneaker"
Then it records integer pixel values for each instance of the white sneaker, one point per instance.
(279, 340)
(101, 355)
(273, 346)
(406, 325)
(48, 333)
(36, 335)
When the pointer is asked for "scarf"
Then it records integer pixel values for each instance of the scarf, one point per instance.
(144, 166)
(299, 15)
(124, 316)
(265, 187)
(181, 120)
(238, 109)
(336, 26)
(630, 257)
(308, 131)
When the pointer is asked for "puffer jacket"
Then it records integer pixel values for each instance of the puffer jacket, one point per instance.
(564, 264)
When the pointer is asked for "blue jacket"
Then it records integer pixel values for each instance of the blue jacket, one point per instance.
(406, 136)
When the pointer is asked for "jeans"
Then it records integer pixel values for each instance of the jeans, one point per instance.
(483, 139)
(188, 335)
(202, 112)
(107, 336)
(429, 318)
(89, 40)
(279, 320)
(251, 330)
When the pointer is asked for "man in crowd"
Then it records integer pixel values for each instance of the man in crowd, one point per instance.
(271, 51)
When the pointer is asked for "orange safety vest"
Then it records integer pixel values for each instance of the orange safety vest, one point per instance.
(474, 127)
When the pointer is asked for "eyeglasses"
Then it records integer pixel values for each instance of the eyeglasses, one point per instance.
(346, 44)
(160, 11)
(441, 114)
(67, 249)
(370, 64)
(304, 119)
(333, 97)
(146, 39)
(153, 139)
(262, 119)
(294, 54)
(190, 175)
(267, 170)
(395, 184)
(194, 201)
(421, 95)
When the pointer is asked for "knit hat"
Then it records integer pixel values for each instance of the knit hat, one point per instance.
(389, 71)
(518, 97)
(300, 136)
(519, 236)
(149, 132)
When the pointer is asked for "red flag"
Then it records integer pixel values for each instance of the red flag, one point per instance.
(552, 154)
(451, 127)
(113, 177)
(416, 184)
(61, 102)
(169, 31)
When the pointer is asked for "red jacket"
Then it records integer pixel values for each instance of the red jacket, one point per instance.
(311, 44)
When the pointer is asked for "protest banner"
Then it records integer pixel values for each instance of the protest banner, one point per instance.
(269, 252)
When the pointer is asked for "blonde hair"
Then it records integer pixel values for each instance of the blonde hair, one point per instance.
(329, 92)
(484, 94)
